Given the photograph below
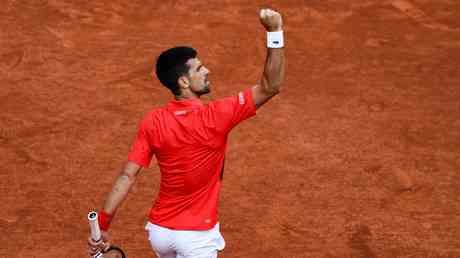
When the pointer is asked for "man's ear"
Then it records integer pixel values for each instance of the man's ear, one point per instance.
(184, 82)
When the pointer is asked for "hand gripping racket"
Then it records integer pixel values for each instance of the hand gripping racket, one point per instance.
(112, 251)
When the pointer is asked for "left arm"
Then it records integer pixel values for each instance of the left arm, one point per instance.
(273, 75)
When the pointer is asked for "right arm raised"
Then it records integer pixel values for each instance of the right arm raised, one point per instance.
(273, 75)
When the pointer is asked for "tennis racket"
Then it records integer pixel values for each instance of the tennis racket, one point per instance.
(111, 252)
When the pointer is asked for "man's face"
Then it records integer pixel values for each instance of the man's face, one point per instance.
(198, 77)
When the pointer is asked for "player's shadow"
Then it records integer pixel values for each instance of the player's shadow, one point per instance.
(359, 242)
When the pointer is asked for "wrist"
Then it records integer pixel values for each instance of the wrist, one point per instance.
(275, 29)
(275, 39)
(104, 220)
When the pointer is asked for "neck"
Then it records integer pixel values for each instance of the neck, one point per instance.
(187, 95)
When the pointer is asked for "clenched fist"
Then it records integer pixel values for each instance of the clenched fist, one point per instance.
(271, 20)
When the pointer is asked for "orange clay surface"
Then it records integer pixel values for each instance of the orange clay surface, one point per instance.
(357, 157)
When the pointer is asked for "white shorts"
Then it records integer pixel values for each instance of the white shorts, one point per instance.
(168, 243)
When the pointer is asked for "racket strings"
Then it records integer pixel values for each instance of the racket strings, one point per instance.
(114, 252)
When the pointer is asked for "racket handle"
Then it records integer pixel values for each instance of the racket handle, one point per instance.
(94, 227)
(98, 255)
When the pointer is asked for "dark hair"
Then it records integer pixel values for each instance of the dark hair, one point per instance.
(171, 64)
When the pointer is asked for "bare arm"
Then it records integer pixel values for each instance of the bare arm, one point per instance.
(121, 188)
(273, 75)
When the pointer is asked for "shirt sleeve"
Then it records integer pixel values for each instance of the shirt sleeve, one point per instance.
(141, 151)
(229, 112)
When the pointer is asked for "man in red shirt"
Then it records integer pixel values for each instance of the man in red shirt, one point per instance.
(189, 140)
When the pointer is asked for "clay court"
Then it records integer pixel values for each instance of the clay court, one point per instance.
(358, 157)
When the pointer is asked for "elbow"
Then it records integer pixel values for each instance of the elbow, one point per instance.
(277, 89)
(273, 92)
(128, 178)
(129, 173)
(271, 87)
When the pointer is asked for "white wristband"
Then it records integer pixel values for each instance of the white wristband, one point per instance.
(275, 39)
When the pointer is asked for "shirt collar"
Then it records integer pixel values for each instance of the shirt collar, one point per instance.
(185, 103)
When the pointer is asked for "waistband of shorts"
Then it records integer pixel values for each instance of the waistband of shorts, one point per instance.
(149, 225)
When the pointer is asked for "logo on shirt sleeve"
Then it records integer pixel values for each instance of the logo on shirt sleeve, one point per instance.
(241, 99)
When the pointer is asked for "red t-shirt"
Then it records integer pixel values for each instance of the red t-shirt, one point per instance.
(189, 140)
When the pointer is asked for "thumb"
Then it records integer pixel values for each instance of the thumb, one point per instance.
(262, 13)
(105, 245)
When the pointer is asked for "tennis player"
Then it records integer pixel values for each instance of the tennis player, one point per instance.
(189, 140)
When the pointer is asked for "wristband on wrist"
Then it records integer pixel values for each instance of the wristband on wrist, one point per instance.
(275, 39)
(104, 220)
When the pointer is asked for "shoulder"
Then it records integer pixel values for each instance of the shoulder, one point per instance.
(151, 117)
(239, 99)
(220, 106)
(221, 101)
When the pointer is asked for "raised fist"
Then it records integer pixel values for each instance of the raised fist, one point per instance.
(271, 20)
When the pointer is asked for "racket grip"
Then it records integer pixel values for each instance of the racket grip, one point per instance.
(94, 227)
